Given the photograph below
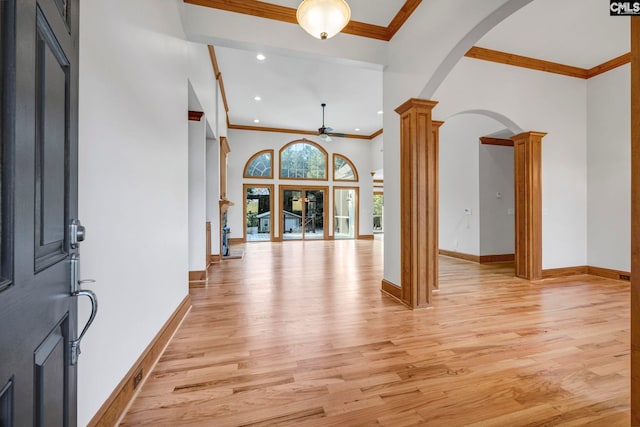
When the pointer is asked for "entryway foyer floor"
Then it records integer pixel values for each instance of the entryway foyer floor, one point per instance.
(299, 334)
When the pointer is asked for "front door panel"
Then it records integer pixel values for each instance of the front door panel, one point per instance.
(38, 200)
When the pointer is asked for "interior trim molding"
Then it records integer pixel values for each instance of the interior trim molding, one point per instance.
(298, 131)
(525, 62)
(365, 236)
(236, 241)
(546, 66)
(198, 276)
(487, 140)
(276, 12)
(115, 407)
(460, 255)
(609, 65)
(609, 273)
(392, 290)
(195, 116)
(635, 221)
(606, 273)
(551, 273)
(489, 259)
(376, 133)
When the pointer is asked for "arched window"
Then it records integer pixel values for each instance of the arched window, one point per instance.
(260, 165)
(343, 169)
(303, 159)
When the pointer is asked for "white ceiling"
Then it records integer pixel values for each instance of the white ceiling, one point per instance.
(573, 32)
(292, 90)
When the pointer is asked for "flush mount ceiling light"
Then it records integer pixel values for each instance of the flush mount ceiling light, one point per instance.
(323, 19)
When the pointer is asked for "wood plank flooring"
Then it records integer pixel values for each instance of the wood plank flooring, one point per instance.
(299, 334)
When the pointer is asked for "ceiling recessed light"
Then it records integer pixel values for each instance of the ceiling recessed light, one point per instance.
(257, 98)
(380, 112)
(261, 57)
(256, 121)
(357, 129)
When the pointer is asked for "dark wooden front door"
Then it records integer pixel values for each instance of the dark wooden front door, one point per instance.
(39, 43)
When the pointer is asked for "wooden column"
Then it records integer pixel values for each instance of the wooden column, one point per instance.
(527, 150)
(419, 202)
(635, 221)
(436, 124)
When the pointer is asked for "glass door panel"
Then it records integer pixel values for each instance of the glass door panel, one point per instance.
(314, 214)
(258, 213)
(378, 212)
(344, 224)
(292, 213)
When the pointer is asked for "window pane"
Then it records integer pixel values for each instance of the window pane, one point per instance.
(303, 161)
(343, 170)
(260, 166)
(344, 223)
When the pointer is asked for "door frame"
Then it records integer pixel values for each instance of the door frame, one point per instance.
(244, 208)
(356, 230)
(326, 202)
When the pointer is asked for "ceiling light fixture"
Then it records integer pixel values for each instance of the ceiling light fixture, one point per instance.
(323, 19)
(357, 129)
(380, 112)
(257, 98)
(260, 57)
(256, 121)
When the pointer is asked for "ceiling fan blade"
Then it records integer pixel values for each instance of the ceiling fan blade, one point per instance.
(328, 129)
(326, 137)
(341, 135)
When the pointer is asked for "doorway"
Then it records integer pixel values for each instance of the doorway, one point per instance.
(302, 213)
(258, 205)
(345, 206)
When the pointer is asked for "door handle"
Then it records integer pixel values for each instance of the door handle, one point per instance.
(77, 292)
(75, 344)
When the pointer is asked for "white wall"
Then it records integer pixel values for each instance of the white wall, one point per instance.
(132, 182)
(245, 144)
(544, 102)
(460, 181)
(197, 195)
(204, 83)
(497, 219)
(609, 172)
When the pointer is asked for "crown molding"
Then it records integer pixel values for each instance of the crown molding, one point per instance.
(546, 66)
(288, 14)
(299, 131)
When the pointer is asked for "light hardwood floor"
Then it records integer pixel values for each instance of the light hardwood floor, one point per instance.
(298, 333)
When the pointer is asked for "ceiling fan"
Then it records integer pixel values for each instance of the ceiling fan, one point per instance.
(325, 132)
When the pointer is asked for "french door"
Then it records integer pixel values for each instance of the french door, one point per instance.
(258, 212)
(302, 213)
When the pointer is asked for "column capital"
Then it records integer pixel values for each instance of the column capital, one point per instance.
(422, 104)
(437, 123)
(529, 134)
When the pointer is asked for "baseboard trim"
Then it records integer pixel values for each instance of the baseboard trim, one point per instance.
(488, 259)
(392, 290)
(609, 273)
(365, 237)
(236, 241)
(551, 273)
(118, 402)
(606, 273)
(459, 255)
(214, 259)
(198, 276)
